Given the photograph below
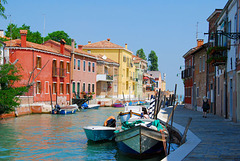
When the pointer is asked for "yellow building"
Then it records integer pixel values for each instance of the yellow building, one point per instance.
(123, 57)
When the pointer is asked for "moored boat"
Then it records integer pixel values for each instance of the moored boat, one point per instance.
(118, 105)
(142, 137)
(71, 109)
(90, 106)
(99, 133)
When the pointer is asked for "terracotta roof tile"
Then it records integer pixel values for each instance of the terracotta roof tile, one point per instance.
(100, 57)
(17, 43)
(69, 48)
(102, 44)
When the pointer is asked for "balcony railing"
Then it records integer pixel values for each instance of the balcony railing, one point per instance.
(217, 55)
(186, 73)
(104, 77)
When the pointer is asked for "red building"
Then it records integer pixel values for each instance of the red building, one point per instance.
(47, 67)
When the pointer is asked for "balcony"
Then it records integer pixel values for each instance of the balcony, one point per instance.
(104, 77)
(217, 56)
(187, 73)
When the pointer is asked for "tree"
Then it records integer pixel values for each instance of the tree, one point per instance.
(9, 74)
(57, 36)
(152, 57)
(140, 53)
(2, 9)
(14, 32)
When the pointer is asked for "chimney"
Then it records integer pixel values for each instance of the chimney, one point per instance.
(199, 42)
(1, 33)
(89, 42)
(23, 34)
(62, 46)
(73, 45)
(80, 47)
(108, 39)
(126, 46)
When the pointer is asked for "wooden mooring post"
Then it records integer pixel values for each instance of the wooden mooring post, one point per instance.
(185, 131)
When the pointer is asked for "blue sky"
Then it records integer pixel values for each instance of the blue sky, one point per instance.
(167, 27)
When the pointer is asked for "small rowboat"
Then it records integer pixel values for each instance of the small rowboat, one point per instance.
(71, 109)
(118, 105)
(99, 133)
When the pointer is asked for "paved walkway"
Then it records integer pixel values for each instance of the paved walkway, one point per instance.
(220, 138)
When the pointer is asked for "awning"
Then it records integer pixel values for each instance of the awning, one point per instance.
(145, 78)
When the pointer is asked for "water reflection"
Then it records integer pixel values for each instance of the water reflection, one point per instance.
(56, 137)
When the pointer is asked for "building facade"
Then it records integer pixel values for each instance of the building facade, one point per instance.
(123, 57)
(43, 65)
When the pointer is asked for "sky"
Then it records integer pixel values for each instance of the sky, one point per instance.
(168, 27)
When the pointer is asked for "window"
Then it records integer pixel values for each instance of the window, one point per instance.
(68, 67)
(73, 87)
(203, 65)
(84, 66)
(83, 88)
(105, 70)
(67, 88)
(124, 58)
(54, 88)
(61, 88)
(89, 87)
(46, 87)
(115, 88)
(197, 91)
(61, 69)
(39, 62)
(74, 66)
(78, 88)
(79, 64)
(133, 87)
(39, 88)
(89, 66)
(54, 66)
(200, 64)
(89, 51)
(93, 67)
(127, 86)
(93, 87)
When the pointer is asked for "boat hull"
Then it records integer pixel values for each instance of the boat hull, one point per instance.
(94, 106)
(64, 111)
(141, 140)
(118, 105)
(99, 133)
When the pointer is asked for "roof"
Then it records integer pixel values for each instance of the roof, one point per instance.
(214, 13)
(105, 44)
(69, 48)
(17, 43)
(137, 59)
(195, 49)
(155, 74)
(104, 58)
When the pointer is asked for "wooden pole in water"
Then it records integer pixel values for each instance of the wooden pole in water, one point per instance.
(185, 131)
(159, 102)
(164, 101)
(170, 137)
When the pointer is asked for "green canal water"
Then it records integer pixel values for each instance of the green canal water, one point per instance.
(57, 137)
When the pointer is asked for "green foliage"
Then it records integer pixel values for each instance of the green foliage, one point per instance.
(3, 39)
(216, 49)
(2, 9)
(9, 74)
(57, 36)
(13, 31)
(152, 57)
(140, 53)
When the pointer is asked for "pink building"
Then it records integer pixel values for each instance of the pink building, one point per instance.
(83, 68)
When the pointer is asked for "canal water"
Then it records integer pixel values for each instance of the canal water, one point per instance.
(57, 137)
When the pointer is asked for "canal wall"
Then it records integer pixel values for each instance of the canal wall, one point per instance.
(26, 109)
